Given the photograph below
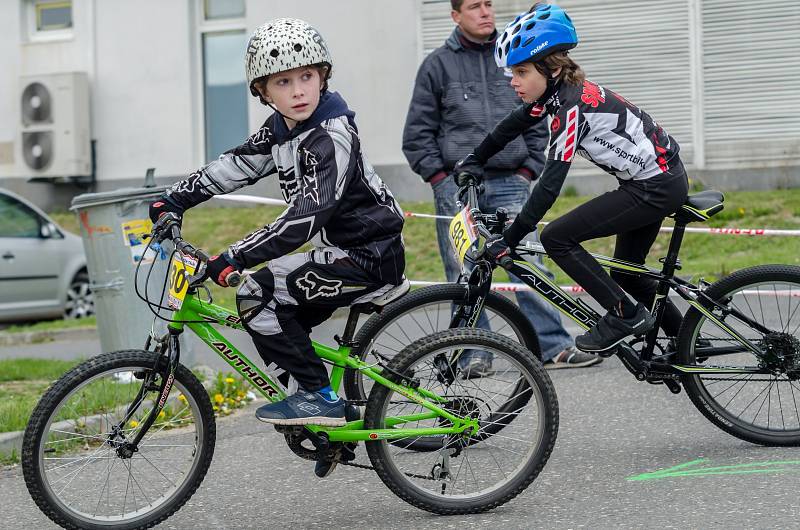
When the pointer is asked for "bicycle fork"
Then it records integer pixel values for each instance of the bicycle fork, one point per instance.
(126, 449)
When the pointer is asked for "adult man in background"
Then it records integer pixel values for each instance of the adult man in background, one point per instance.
(459, 96)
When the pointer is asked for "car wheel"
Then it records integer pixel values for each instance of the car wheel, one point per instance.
(80, 301)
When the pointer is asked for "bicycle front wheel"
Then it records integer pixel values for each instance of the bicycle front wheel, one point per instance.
(423, 312)
(474, 472)
(759, 408)
(71, 458)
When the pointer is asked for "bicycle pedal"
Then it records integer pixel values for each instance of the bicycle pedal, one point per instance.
(289, 429)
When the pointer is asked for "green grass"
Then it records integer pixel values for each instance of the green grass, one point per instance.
(710, 256)
(33, 369)
(22, 383)
(53, 325)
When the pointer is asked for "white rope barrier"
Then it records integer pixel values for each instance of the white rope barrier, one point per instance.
(772, 232)
(574, 289)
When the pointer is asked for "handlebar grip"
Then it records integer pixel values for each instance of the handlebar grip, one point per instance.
(201, 255)
(234, 279)
(506, 262)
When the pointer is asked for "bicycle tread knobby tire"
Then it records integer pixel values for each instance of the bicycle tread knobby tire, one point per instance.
(434, 293)
(736, 280)
(448, 338)
(57, 392)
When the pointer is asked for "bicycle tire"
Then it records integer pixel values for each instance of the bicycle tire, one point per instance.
(512, 484)
(353, 381)
(699, 392)
(43, 416)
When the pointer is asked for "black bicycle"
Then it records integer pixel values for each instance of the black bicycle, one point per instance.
(737, 354)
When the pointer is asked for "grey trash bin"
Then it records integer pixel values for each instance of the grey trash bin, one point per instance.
(112, 224)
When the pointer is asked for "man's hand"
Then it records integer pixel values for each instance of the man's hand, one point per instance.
(218, 268)
(496, 248)
(466, 168)
(162, 206)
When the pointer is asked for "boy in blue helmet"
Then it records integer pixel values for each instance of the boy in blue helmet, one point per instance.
(612, 133)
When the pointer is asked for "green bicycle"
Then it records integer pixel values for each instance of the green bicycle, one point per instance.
(124, 439)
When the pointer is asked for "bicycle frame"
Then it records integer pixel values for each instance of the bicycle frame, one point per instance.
(644, 365)
(199, 317)
(645, 362)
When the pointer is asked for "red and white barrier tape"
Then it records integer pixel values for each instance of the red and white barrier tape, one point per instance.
(575, 289)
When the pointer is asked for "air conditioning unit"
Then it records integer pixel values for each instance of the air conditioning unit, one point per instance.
(55, 136)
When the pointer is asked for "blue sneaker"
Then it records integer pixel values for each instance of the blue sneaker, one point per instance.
(304, 408)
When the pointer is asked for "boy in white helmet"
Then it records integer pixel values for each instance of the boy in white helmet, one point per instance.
(336, 202)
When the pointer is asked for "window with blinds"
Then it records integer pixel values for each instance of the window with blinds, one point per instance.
(751, 82)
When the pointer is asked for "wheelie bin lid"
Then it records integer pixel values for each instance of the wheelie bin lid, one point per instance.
(87, 200)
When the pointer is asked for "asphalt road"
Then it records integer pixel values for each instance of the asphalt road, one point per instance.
(612, 429)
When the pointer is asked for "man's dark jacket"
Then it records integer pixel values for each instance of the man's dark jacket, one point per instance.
(459, 96)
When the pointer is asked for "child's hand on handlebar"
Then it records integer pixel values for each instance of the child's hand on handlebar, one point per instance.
(468, 168)
(219, 268)
(497, 249)
(163, 206)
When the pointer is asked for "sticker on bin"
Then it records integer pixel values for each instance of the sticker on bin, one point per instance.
(463, 233)
(182, 267)
(135, 232)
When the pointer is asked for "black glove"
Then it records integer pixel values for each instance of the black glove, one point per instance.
(218, 268)
(162, 206)
(467, 167)
(515, 233)
(496, 248)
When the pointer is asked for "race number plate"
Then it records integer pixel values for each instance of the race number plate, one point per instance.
(463, 233)
(182, 267)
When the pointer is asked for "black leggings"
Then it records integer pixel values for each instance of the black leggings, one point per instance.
(634, 213)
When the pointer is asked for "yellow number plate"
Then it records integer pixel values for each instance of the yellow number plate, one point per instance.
(182, 267)
(463, 233)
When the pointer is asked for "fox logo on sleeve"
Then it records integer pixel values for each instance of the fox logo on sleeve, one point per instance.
(315, 286)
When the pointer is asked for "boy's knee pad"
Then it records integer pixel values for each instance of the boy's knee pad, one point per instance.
(251, 299)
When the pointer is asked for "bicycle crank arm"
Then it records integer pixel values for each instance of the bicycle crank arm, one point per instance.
(631, 361)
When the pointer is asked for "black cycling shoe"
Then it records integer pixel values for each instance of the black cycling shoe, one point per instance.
(612, 329)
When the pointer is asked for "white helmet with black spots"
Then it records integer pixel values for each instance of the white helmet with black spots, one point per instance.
(283, 44)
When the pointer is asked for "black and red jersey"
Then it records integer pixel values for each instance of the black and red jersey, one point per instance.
(594, 122)
(606, 129)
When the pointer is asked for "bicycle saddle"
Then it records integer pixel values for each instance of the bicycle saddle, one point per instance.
(700, 206)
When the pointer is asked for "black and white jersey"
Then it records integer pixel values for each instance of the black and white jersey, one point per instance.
(606, 129)
(591, 121)
(335, 197)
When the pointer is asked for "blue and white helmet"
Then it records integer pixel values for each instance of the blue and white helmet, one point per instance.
(543, 30)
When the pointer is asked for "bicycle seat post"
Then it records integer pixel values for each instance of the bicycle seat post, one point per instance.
(671, 262)
(350, 328)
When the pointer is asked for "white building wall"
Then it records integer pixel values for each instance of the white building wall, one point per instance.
(142, 88)
(144, 63)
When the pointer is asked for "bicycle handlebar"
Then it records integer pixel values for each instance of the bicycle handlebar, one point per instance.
(487, 224)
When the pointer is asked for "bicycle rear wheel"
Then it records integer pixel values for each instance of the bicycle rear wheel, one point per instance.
(759, 408)
(421, 313)
(70, 458)
(480, 471)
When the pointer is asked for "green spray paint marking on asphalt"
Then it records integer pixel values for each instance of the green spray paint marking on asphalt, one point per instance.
(689, 469)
